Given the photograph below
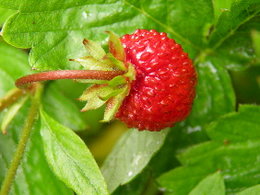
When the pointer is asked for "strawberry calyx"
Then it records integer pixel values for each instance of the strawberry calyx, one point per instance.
(110, 92)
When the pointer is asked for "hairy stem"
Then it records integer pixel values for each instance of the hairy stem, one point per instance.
(66, 74)
(10, 98)
(10, 175)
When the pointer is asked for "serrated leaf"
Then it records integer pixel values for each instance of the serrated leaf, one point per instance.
(212, 184)
(239, 13)
(56, 36)
(237, 52)
(254, 190)
(70, 158)
(238, 162)
(5, 13)
(130, 155)
(228, 128)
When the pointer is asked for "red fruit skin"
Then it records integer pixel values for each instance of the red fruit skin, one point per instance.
(164, 89)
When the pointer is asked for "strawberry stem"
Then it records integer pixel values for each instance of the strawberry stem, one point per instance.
(66, 74)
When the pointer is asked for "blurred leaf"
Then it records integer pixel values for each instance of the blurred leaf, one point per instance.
(215, 95)
(130, 155)
(70, 158)
(212, 184)
(228, 128)
(55, 31)
(4, 14)
(221, 6)
(238, 161)
(256, 41)
(136, 186)
(231, 19)
(62, 108)
(237, 52)
(255, 190)
(13, 64)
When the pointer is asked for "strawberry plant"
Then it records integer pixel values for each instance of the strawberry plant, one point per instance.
(182, 77)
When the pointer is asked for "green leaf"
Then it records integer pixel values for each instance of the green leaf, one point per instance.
(230, 20)
(130, 155)
(228, 128)
(215, 95)
(255, 190)
(55, 31)
(237, 160)
(221, 6)
(13, 64)
(237, 52)
(5, 13)
(33, 164)
(256, 41)
(70, 158)
(136, 186)
(212, 184)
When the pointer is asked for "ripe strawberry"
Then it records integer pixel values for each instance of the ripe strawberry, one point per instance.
(164, 89)
(157, 86)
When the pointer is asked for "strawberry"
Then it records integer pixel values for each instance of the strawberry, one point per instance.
(164, 89)
(158, 87)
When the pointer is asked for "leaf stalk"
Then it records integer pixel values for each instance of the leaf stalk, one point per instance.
(10, 175)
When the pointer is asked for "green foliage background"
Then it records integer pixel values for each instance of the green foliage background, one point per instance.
(215, 151)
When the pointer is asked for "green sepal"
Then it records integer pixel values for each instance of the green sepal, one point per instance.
(94, 49)
(111, 92)
(91, 63)
(117, 63)
(115, 46)
(118, 80)
(91, 95)
(92, 81)
(114, 103)
(130, 74)
(11, 112)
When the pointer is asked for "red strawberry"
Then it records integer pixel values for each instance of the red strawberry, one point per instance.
(164, 89)
(157, 85)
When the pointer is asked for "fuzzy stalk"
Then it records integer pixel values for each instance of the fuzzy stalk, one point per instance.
(10, 175)
(66, 74)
